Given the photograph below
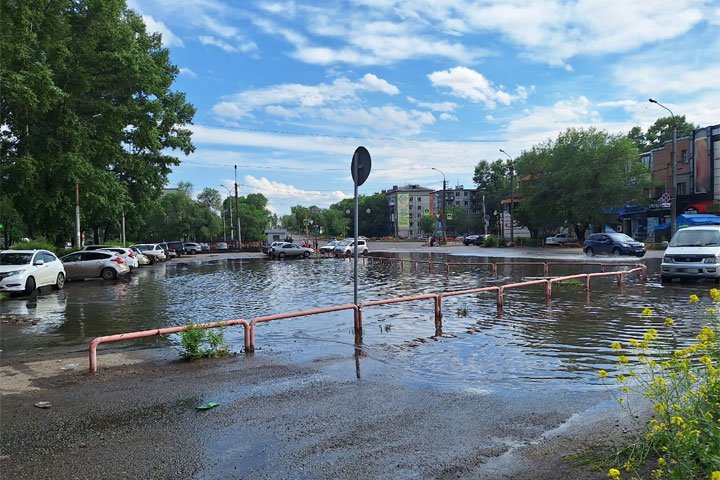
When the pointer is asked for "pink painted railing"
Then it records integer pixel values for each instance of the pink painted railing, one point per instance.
(161, 331)
(249, 327)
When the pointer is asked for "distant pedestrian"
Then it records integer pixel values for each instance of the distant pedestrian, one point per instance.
(432, 240)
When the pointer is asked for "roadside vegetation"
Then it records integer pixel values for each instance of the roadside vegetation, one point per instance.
(199, 342)
(682, 438)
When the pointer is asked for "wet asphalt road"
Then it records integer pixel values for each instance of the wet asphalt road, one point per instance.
(339, 418)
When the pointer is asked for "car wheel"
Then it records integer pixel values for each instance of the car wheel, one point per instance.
(589, 252)
(108, 274)
(616, 252)
(281, 255)
(306, 254)
(665, 279)
(59, 282)
(365, 252)
(29, 286)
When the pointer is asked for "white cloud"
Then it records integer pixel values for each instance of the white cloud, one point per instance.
(434, 106)
(224, 45)
(448, 117)
(169, 39)
(466, 83)
(188, 72)
(618, 103)
(280, 194)
(373, 83)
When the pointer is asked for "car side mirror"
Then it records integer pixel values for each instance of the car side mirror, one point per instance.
(665, 244)
(39, 262)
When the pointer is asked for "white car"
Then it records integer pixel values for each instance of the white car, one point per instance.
(27, 270)
(153, 251)
(329, 247)
(559, 239)
(126, 253)
(347, 247)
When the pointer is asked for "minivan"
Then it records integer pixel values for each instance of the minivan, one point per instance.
(693, 252)
(347, 247)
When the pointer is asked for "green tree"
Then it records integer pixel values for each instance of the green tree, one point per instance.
(427, 224)
(492, 181)
(573, 180)
(660, 132)
(86, 101)
(210, 198)
(255, 218)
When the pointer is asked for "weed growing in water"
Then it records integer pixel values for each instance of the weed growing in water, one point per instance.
(461, 312)
(200, 342)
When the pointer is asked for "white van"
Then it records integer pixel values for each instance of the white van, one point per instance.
(347, 247)
(693, 252)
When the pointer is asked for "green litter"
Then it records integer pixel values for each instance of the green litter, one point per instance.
(207, 406)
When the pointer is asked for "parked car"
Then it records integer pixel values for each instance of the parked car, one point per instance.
(471, 240)
(268, 248)
(347, 247)
(613, 244)
(94, 264)
(693, 252)
(223, 246)
(177, 247)
(329, 247)
(559, 239)
(192, 248)
(141, 257)
(125, 253)
(291, 250)
(204, 248)
(24, 271)
(153, 251)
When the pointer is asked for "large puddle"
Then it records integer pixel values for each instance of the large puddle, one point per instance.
(566, 340)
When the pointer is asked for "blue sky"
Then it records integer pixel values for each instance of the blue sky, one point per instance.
(286, 90)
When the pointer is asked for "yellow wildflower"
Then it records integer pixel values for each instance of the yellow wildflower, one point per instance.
(715, 294)
(694, 298)
(646, 312)
(602, 374)
(711, 311)
(623, 360)
(669, 322)
(616, 345)
(715, 475)
(614, 474)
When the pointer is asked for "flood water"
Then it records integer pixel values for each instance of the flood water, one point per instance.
(533, 342)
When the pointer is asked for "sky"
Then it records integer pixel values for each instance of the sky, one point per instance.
(287, 90)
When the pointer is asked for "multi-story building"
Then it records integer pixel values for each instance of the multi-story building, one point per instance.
(406, 207)
(458, 197)
(697, 183)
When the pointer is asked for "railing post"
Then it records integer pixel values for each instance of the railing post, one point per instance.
(438, 308)
(494, 269)
(358, 319)
(620, 279)
(548, 290)
(587, 282)
(500, 299)
(546, 269)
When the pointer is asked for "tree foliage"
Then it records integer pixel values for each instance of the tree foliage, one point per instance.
(86, 100)
(660, 132)
(492, 181)
(571, 181)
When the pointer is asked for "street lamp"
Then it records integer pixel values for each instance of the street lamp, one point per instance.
(512, 198)
(673, 198)
(232, 232)
(444, 218)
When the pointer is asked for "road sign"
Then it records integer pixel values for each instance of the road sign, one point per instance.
(361, 157)
(449, 216)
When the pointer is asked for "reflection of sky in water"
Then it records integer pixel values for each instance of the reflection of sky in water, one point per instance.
(532, 342)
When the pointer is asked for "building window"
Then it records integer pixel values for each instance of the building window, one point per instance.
(466, 193)
(466, 203)
(681, 190)
(411, 224)
(684, 156)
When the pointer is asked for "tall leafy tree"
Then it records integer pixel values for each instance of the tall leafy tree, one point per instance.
(210, 198)
(660, 132)
(573, 181)
(86, 100)
(492, 181)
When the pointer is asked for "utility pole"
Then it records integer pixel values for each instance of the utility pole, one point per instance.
(673, 168)
(77, 215)
(512, 198)
(443, 223)
(237, 211)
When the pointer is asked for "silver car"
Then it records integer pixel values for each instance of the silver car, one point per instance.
(291, 250)
(93, 264)
(125, 253)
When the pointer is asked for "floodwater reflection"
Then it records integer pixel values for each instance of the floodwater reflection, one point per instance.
(567, 339)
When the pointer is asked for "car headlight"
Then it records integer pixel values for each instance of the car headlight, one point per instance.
(625, 245)
(712, 260)
(11, 273)
(667, 259)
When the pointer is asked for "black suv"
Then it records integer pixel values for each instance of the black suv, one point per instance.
(178, 246)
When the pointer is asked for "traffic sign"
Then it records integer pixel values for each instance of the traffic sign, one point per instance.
(360, 162)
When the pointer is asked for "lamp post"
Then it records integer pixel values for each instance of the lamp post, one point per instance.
(232, 234)
(673, 167)
(443, 222)
(237, 212)
(512, 198)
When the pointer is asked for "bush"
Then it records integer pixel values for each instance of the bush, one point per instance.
(39, 244)
(531, 242)
(201, 342)
(490, 242)
(682, 438)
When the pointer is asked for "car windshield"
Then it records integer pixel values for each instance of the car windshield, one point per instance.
(15, 258)
(696, 238)
(345, 243)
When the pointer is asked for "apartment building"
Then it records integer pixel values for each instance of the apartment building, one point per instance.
(406, 207)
